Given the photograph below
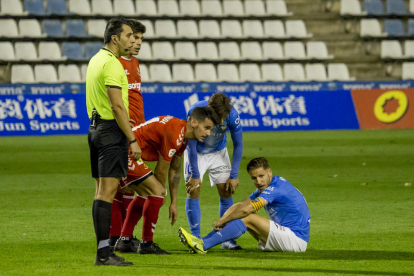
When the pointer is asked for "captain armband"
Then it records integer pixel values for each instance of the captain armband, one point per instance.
(257, 204)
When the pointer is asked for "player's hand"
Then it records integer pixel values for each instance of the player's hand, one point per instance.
(135, 151)
(132, 123)
(192, 184)
(218, 225)
(232, 184)
(173, 213)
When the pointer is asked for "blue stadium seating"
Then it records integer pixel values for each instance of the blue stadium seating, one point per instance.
(34, 6)
(72, 50)
(374, 7)
(396, 7)
(91, 48)
(411, 27)
(52, 27)
(394, 27)
(56, 7)
(76, 28)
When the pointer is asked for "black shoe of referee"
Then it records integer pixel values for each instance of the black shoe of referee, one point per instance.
(112, 260)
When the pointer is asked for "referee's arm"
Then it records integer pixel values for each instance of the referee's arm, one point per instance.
(121, 117)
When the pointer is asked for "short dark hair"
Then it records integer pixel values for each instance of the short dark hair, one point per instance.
(259, 162)
(114, 27)
(203, 113)
(221, 104)
(136, 26)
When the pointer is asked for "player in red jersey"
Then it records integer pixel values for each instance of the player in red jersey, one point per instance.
(162, 139)
(136, 114)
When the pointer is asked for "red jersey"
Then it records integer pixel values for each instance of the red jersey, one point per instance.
(163, 135)
(136, 104)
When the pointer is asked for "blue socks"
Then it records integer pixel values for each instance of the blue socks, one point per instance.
(233, 230)
(225, 204)
(192, 209)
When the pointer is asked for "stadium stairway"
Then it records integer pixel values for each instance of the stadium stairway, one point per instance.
(322, 19)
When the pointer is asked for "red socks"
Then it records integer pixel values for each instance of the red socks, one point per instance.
(116, 222)
(150, 211)
(134, 214)
(126, 200)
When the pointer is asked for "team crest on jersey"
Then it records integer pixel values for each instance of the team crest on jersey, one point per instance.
(223, 127)
(171, 153)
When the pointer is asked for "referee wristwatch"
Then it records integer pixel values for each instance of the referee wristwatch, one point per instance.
(133, 141)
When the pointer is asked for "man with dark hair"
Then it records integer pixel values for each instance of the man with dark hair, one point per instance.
(288, 229)
(162, 139)
(109, 132)
(136, 114)
(211, 155)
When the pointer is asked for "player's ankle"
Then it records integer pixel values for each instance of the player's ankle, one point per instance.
(146, 243)
(125, 239)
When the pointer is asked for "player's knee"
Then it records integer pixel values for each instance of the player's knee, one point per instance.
(247, 221)
(195, 193)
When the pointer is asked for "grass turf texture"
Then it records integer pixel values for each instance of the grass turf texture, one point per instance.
(46, 201)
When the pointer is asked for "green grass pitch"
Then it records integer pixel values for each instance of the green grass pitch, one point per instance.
(46, 200)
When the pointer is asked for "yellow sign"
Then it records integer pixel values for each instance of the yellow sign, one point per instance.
(390, 106)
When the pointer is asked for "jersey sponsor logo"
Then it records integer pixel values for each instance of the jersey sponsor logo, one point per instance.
(135, 85)
(166, 119)
(126, 72)
(220, 169)
(269, 189)
(180, 137)
(171, 152)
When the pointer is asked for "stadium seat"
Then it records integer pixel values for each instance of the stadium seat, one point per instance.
(408, 71)
(91, 48)
(45, 73)
(209, 28)
(83, 69)
(75, 28)
(56, 7)
(272, 50)
(22, 74)
(145, 51)
(274, 28)
(34, 7)
(182, 72)
(294, 72)
(410, 31)
(124, 7)
(254, 7)
(409, 48)
(160, 72)
(190, 7)
(8, 27)
(317, 50)
(207, 50)
(168, 7)
(391, 49)
(252, 28)
(351, 7)
(72, 50)
(143, 71)
(7, 51)
(187, 28)
(205, 72)
(249, 72)
(147, 7)
(229, 50)
(96, 27)
(69, 73)
(165, 28)
(12, 7)
(50, 50)
(272, 72)
(296, 28)
(211, 7)
(103, 7)
(396, 7)
(316, 72)
(371, 28)
(52, 27)
(251, 50)
(227, 72)
(80, 7)
(25, 51)
(185, 50)
(394, 27)
(162, 50)
(411, 6)
(294, 50)
(30, 28)
(231, 28)
(233, 7)
(277, 7)
(339, 72)
(373, 7)
(149, 32)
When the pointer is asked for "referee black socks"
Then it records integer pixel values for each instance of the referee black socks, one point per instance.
(102, 212)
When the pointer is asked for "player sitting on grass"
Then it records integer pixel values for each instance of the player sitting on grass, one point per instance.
(288, 229)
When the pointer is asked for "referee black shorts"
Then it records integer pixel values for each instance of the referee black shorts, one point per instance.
(108, 149)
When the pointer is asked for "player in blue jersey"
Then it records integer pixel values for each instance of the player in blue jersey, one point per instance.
(288, 229)
(211, 155)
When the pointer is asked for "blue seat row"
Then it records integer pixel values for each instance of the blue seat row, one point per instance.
(393, 7)
(73, 50)
(395, 27)
(74, 27)
(53, 7)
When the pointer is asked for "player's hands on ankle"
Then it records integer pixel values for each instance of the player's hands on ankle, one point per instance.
(218, 225)
(232, 184)
(192, 184)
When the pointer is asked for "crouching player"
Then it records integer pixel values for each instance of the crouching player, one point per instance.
(288, 229)
(162, 139)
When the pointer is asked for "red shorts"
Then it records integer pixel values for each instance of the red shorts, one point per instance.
(138, 171)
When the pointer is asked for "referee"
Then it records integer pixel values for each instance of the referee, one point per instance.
(109, 132)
